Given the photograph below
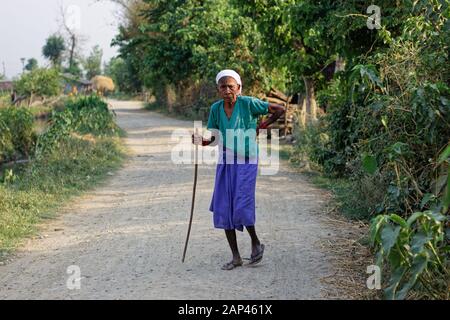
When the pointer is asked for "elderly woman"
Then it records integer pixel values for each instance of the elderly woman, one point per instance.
(234, 119)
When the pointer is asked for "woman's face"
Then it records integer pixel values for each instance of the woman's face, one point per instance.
(228, 88)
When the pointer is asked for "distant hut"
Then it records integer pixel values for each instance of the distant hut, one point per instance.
(6, 86)
(74, 85)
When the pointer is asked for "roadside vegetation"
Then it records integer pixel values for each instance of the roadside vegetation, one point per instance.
(40, 171)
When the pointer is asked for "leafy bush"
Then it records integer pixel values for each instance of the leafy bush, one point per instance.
(417, 249)
(17, 138)
(6, 145)
(91, 115)
(388, 127)
(84, 115)
(39, 82)
(389, 118)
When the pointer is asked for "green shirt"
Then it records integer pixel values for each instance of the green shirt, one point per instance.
(241, 125)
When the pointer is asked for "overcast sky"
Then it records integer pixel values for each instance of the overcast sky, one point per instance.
(26, 24)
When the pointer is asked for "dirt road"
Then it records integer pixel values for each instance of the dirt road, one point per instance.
(127, 236)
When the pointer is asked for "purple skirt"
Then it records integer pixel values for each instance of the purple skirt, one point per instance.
(233, 201)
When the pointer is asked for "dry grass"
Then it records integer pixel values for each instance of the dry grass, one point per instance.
(350, 258)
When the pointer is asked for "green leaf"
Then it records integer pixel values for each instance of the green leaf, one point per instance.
(394, 282)
(375, 226)
(379, 258)
(418, 241)
(399, 220)
(414, 217)
(384, 121)
(419, 264)
(435, 216)
(446, 197)
(389, 236)
(376, 106)
(395, 258)
(444, 155)
(426, 198)
(369, 163)
(393, 191)
(399, 147)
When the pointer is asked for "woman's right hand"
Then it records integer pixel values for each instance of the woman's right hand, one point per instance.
(197, 139)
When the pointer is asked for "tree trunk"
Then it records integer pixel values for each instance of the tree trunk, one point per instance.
(302, 115)
(310, 104)
(72, 51)
(30, 101)
(308, 114)
(170, 97)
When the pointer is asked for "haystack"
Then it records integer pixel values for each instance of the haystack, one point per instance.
(103, 84)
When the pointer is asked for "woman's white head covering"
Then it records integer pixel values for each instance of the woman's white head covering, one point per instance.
(230, 73)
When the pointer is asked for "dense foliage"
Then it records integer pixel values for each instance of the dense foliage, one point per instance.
(17, 138)
(124, 76)
(84, 115)
(179, 46)
(93, 63)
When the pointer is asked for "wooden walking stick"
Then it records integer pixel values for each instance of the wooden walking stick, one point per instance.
(193, 197)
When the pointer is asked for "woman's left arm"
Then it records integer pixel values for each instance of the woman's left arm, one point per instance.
(276, 112)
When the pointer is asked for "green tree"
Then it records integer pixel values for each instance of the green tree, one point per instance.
(53, 50)
(123, 75)
(74, 69)
(180, 43)
(39, 82)
(31, 64)
(93, 63)
(308, 37)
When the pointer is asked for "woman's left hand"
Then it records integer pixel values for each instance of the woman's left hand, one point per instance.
(262, 125)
